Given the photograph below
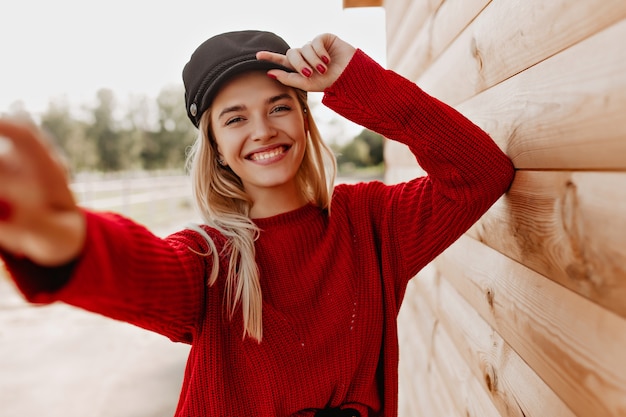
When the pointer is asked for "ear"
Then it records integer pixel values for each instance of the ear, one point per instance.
(220, 157)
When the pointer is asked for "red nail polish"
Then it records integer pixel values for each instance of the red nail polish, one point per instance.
(272, 76)
(5, 210)
(325, 59)
(306, 72)
(321, 68)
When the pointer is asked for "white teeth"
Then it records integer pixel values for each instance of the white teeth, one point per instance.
(267, 155)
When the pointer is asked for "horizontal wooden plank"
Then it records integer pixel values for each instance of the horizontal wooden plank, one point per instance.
(361, 3)
(423, 391)
(512, 36)
(394, 11)
(515, 389)
(436, 34)
(419, 377)
(565, 113)
(574, 345)
(569, 227)
(401, 30)
(467, 394)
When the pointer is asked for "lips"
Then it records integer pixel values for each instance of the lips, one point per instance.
(267, 154)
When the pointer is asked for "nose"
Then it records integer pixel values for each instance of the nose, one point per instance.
(262, 129)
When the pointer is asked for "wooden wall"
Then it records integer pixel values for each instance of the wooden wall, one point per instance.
(525, 315)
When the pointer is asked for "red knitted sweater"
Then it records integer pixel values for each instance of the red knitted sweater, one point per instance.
(332, 284)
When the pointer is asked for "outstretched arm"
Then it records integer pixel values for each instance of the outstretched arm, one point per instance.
(40, 219)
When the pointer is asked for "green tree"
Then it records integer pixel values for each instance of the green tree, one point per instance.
(103, 133)
(166, 147)
(375, 144)
(69, 136)
(366, 149)
(139, 125)
(355, 153)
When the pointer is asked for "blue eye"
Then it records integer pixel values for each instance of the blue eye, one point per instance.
(280, 108)
(233, 120)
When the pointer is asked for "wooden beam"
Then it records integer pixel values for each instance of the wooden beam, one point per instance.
(401, 33)
(422, 390)
(566, 112)
(574, 345)
(395, 16)
(465, 391)
(362, 3)
(509, 37)
(428, 39)
(569, 227)
(515, 389)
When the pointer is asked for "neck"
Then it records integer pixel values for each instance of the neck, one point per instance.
(273, 202)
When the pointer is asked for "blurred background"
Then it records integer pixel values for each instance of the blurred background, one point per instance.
(104, 78)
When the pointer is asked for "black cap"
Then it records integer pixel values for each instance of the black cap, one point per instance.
(219, 58)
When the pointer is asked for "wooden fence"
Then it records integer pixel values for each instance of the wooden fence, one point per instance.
(162, 201)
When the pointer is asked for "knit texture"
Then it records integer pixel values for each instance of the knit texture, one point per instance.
(332, 284)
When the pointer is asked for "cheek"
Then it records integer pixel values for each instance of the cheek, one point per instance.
(302, 146)
(224, 143)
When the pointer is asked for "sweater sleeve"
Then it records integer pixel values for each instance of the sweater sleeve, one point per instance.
(126, 273)
(466, 171)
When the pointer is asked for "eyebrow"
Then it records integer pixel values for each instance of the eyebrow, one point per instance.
(240, 107)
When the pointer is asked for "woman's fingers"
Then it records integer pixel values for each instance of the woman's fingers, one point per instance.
(38, 214)
(315, 57)
(297, 61)
(6, 145)
(318, 63)
(277, 58)
(28, 156)
(304, 60)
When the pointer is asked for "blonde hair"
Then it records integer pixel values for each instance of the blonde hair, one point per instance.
(223, 204)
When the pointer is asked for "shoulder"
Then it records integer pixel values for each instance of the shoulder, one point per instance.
(367, 198)
(347, 190)
(198, 237)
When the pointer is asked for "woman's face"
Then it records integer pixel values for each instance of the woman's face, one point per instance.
(259, 126)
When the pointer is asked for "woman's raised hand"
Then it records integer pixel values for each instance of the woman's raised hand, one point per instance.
(39, 218)
(318, 63)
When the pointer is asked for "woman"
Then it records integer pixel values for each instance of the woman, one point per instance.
(289, 302)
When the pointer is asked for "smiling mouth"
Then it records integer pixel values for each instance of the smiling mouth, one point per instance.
(271, 153)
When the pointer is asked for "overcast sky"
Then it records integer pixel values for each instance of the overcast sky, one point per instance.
(71, 48)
